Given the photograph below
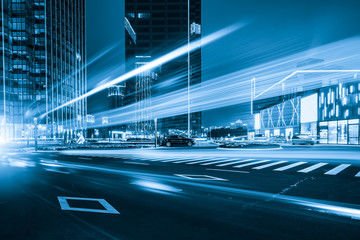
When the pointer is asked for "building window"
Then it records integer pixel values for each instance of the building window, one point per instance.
(143, 15)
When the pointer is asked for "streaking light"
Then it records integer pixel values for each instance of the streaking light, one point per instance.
(159, 61)
(156, 187)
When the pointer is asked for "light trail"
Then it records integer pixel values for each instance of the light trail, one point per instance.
(158, 182)
(159, 61)
(233, 88)
(305, 71)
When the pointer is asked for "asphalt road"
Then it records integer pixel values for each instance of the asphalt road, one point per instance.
(181, 193)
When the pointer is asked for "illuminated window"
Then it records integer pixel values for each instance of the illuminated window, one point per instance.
(143, 15)
(351, 89)
(337, 110)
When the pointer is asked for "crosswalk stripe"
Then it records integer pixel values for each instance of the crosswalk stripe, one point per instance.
(171, 160)
(249, 164)
(215, 162)
(184, 161)
(289, 166)
(337, 169)
(312, 168)
(196, 162)
(358, 174)
(234, 162)
(269, 165)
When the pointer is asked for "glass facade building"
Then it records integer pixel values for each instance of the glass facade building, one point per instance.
(339, 113)
(154, 28)
(43, 61)
(332, 113)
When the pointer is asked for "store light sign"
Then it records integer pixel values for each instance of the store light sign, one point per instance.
(257, 121)
(309, 108)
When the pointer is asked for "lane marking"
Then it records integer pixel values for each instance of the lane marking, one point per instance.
(137, 163)
(358, 174)
(200, 177)
(184, 161)
(108, 208)
(234, 162)
(249, 164)
(196, 162)
(172, 160)
(215, 162)
(226, 170)
(289, 166)
(312, 168)
(337, 169)
(269, 165)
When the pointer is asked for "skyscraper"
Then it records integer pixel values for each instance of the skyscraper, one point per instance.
(154, 28)
(43, 61)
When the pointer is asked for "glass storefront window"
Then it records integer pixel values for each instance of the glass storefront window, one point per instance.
(353, 134)
(342, 132)
(332, 131)
(323, 132)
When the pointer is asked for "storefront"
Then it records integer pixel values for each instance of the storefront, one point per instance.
(340, 132)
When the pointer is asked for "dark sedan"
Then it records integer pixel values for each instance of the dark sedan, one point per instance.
(174, 140)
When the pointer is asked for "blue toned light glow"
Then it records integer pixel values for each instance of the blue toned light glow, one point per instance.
(309, 108)
(157, 62)
(157, 187)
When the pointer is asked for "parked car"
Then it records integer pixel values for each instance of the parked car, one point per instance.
(173, 140)
(278, 139)
(303, 139)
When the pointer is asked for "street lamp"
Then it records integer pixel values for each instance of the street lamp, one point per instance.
(252, 92)
(155, 124)
(36, 133)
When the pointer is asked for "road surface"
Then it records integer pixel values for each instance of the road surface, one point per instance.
(181, 193)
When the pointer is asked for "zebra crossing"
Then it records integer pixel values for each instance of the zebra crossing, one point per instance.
(257, 164)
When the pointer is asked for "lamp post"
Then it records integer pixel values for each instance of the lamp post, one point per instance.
(252, 92)
(155, 123)
(36, 133)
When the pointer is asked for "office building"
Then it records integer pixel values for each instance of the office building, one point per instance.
(154, 28)
(43, 61)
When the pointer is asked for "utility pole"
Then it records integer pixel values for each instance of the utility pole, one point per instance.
(155, 123)
(188, 93)
(36, 133)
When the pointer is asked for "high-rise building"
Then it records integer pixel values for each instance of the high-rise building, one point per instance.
(43, 61)
(154, 28)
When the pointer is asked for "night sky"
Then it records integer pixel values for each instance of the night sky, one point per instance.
(275, 29)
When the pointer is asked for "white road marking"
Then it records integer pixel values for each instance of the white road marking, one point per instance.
(215, 162)
(235, 162)
(289, 166)
(249, 164)
(269, 165)
(200, 177)
(358, 174)
(184, 161)
(108, 208)
(196, 162)
(226, 170)
(337, 169)
(313, 167)
(172, 160)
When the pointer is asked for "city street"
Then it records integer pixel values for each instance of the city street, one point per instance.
(291, 192)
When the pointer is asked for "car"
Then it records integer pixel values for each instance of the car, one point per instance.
(303, 139)
(278, 139)
(173, 140)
